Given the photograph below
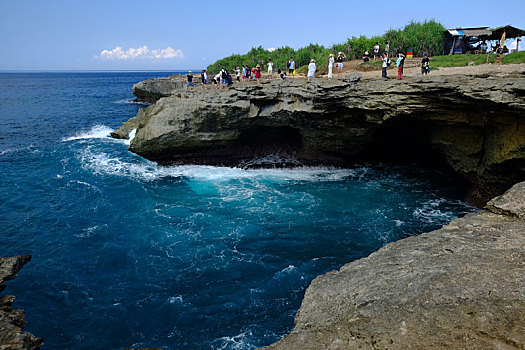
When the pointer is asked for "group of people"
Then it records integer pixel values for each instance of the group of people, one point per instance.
(400, 64)
(223, 79)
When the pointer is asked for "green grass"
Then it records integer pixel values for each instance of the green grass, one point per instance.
(460, 60)
(515, 57)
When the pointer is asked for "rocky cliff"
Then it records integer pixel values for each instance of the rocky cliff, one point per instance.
(474, 125)
(460, 287)
(12, 321)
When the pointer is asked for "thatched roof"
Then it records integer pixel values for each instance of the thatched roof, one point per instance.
(510, 32)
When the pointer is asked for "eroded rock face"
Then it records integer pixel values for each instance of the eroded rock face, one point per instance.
(476, 126)
(460, 287)
(12, 321)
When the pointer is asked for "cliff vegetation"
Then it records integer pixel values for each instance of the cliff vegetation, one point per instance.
(423, 37)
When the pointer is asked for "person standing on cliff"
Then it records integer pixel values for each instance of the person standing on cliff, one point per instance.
(291, 67)
(224, 78)
(330, 65)
(311, 70)
(190, 80)
(270, 69)
(376, 51)
(400, 63)
(339, 59)
(387, 48)
(204, 78)
(238, 73)
(257, 72)
(425, 65)
(384, 66)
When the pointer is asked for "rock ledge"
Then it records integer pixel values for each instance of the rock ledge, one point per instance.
(460, 287)
(12, 321)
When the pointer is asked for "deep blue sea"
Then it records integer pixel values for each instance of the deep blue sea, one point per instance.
(130, 254)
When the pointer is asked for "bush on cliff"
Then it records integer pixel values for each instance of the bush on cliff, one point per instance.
(422, 37)
(515, 57)
(461, 60)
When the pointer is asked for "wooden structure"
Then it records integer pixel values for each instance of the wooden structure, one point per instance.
(466, 40)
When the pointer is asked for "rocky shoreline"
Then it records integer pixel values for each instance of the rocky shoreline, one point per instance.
(12, 321)
(472, 125)
(460, 287)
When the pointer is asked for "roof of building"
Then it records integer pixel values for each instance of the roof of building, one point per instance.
(477, 32)
(510, 32)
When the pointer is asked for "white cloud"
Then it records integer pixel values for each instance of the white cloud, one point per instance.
(271, 49)
(140, 53)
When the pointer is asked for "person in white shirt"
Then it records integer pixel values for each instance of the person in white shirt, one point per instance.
(270, 69)
(385, 65)
(311, 69)
(330, 65)
(376, 51)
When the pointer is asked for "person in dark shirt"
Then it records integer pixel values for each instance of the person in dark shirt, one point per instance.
(425, 65)
(190, 80)
(204, 78)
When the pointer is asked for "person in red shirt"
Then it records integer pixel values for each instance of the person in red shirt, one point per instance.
(257, 71)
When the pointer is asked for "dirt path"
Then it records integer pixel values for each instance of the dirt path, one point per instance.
(412, 68)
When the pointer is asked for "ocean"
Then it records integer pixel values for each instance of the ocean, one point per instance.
(130, 254)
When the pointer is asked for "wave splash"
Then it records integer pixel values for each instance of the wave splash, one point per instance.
(96, 132)
(106, 164)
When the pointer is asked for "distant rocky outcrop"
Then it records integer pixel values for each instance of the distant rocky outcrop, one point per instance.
(473, 125)
(460, 287)
(12, 336)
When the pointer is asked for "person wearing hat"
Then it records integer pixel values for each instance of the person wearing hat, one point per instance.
(330, 65)
(311, 69)
(257, 72)
(190, 80)
(425, 65)
(366, 57)
(339, 59)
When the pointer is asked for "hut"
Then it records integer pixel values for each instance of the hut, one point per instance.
(464, 40)
(467, 40)
(506, 32)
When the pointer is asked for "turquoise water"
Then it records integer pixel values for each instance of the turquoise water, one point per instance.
(126, 253)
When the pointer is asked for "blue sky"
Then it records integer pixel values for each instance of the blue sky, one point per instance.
(171, 34)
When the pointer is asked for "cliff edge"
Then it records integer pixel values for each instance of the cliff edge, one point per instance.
(12, 336)
(460, 287)
(473, 125)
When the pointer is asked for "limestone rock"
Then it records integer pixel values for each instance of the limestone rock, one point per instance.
(460, 287)
(473, 125)
(12, 321)
(511, 203)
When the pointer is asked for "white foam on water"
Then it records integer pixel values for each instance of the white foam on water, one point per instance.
(240, 341)
(131, 137)
(96, 132)
(103, 163)
(430, 212)
(14, 150)
(175, 300)
(131, 102)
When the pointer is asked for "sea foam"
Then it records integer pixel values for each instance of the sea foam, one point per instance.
(96, 132)
(104, 163)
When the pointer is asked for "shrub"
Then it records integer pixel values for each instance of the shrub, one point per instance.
(423, 37)
(515, 57)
